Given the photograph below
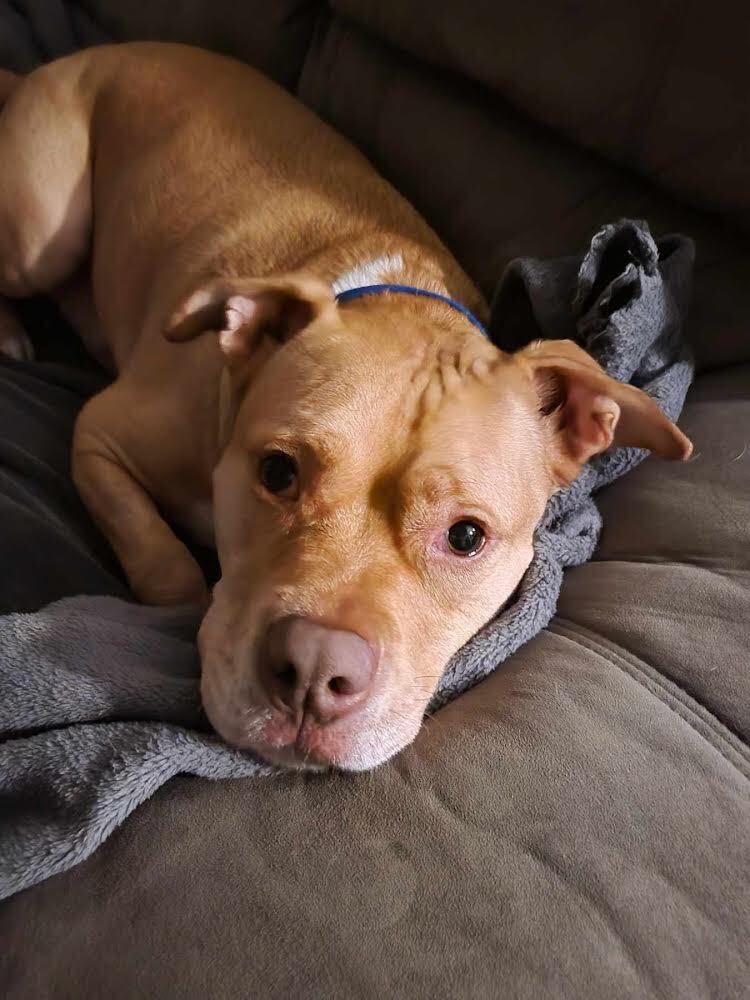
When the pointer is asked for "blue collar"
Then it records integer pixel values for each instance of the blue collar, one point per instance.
(357, 293)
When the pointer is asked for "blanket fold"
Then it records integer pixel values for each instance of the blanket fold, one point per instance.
(99, 702)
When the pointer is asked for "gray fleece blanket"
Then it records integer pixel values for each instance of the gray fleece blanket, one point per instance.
(99, 702)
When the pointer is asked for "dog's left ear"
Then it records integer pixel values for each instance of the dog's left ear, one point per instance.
(591, 412)
(242, 312)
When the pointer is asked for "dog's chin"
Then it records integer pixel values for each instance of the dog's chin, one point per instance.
(352, 759)
(348, 745)
(314, 748)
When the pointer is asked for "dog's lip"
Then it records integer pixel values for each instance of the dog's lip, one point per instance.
(309, 738)
(303, 743)
(299, 753)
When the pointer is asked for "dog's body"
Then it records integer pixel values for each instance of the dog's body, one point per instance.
(327, 449)
(198, 168)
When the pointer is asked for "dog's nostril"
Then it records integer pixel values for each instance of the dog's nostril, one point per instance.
(340, 685)
(287, 675)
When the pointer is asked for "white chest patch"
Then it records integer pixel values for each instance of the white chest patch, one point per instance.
(374, 272)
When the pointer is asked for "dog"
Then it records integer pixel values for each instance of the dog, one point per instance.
(301, 381)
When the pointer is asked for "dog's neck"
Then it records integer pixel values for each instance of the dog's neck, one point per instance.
(388, 267)
(380, 257)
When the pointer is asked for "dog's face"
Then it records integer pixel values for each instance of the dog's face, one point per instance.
(374, 506)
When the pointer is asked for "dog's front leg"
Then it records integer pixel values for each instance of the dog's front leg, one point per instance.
(159, 567)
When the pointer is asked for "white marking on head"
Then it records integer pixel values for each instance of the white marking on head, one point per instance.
(374, 272)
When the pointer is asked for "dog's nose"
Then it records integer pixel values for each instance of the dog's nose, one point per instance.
(327, 672)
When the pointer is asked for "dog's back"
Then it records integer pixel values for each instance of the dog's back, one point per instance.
(205, 167)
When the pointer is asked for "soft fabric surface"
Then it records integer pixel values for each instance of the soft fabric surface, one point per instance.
(99, 699)
(34, 31)
(68, 675)
(577, 826)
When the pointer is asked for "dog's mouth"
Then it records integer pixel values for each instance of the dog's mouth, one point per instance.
(300, 743)
(307, 747)
(357, 743)
(303, 694)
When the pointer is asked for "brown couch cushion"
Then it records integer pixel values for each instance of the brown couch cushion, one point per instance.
(575, 826)
(659, 87)
(496, 186)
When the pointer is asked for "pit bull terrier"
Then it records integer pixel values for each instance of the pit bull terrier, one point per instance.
(299, 380)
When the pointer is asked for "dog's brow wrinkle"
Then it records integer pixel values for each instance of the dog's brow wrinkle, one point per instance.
(445, 376)
(433, 393)
(450, 373)
(480, 369)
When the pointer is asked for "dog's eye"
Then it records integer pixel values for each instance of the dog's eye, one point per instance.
(465, 538)
(278, 473)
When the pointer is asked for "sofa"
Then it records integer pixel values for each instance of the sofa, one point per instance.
(577, 825)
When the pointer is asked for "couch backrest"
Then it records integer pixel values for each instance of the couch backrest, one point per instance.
(273, 35)
(656, 86)
(520, 129)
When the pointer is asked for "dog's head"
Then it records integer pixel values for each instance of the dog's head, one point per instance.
(375, 503)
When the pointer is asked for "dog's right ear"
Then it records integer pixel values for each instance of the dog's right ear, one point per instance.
(242, 312)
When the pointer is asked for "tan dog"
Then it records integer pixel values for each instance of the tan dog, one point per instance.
(371, 471)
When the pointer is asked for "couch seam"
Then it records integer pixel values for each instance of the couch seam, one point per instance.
(602, 646)
(724, 742)
(637, 560)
